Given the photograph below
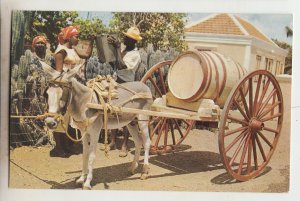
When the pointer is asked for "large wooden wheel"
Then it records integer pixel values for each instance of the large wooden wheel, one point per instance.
(250, 125)
(165, 133)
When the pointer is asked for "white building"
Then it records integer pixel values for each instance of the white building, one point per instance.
(238, 39)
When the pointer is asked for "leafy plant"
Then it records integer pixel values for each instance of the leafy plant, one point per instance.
(89, 27)
(49, 23)
(163, 30)
(289, 57)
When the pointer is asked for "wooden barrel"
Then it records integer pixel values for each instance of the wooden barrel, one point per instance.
(203, 74)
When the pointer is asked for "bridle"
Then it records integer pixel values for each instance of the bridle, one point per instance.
(66, 97)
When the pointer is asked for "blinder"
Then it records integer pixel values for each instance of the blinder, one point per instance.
(66, 87)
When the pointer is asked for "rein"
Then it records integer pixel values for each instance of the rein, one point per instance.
(60, 118)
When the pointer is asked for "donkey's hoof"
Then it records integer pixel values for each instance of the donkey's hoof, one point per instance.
(86, 188)
(79, 181)
(123, 153)
(133, 167)
(144, 176)
(145, 172)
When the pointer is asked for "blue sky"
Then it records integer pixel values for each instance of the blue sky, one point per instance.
(272, 25)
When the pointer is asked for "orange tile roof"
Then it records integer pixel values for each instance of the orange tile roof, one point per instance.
(225, 24)
(252, 30)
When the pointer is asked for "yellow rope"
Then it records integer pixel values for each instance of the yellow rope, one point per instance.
(60, 118)
(94, 87)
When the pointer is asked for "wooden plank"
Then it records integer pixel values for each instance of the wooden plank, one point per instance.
(173, 114)
(178, 103)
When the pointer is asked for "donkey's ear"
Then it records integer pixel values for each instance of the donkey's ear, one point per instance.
(72, 72)
(48, 71)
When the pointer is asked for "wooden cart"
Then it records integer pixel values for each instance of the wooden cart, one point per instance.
(249, 120)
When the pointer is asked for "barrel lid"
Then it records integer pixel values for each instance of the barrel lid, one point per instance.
(185, 76)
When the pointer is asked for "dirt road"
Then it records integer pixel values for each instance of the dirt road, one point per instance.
(197, 167)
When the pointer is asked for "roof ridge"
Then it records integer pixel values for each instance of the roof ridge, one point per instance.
(201, 20)
(242, 29)
(257, 29)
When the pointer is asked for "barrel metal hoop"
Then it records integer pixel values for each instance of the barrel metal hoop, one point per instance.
(224, 71)
(204, 86)
(217, 91)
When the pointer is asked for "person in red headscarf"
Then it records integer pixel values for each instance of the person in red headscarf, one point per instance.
(39, 46)
(66, 58)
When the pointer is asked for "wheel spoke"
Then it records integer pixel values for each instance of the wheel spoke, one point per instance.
(244, 102)
(153, 120)
(246, 144)
(271, 130)
(265, 139)
(257, 93)
(271, 117)
(166, 132)
(263, 114)
(240, 109)
(260, 148)
(261, 107)
(162, 82)
(249, 155)
(237, 151)
(236, 120)
(172, 132)
(155, 86)
(178, 127)
(155, 129)
(235, 141)
(265, 88)
(160, 132)
(235, 130)
(254, 153)
(250, 97)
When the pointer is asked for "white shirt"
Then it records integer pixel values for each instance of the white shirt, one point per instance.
(132, 60)
(71, 59)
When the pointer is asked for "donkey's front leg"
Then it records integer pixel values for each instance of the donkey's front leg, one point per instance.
(85, 143)
(94, 133)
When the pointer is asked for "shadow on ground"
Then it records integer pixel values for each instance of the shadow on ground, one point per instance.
(225, 178)
(177, 163)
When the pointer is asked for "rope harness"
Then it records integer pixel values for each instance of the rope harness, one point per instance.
(105, 88)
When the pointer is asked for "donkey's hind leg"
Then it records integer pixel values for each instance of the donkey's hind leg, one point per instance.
(134, 131)
(143, 125)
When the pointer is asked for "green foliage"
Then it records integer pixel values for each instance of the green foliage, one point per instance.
(289, 57)
(163, 30)
(49, 23)
(289, 31)
(89, 27)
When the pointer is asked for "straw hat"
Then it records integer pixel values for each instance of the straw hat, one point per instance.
(134, 33)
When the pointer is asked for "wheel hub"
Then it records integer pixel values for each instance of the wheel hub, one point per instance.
(256, 125)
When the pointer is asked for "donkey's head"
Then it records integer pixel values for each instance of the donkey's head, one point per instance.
(58, 94)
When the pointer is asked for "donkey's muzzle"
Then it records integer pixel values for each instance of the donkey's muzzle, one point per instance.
(51, 123)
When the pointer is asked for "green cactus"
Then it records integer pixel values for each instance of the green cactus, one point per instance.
(23, 67)
(28, 57)
(17, 40)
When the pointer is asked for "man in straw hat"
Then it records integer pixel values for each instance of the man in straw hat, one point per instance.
(128, 61)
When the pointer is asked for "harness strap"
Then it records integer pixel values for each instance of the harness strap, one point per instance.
(140, 95)
(105, 115)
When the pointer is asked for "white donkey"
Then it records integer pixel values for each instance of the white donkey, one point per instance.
(90, 122)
